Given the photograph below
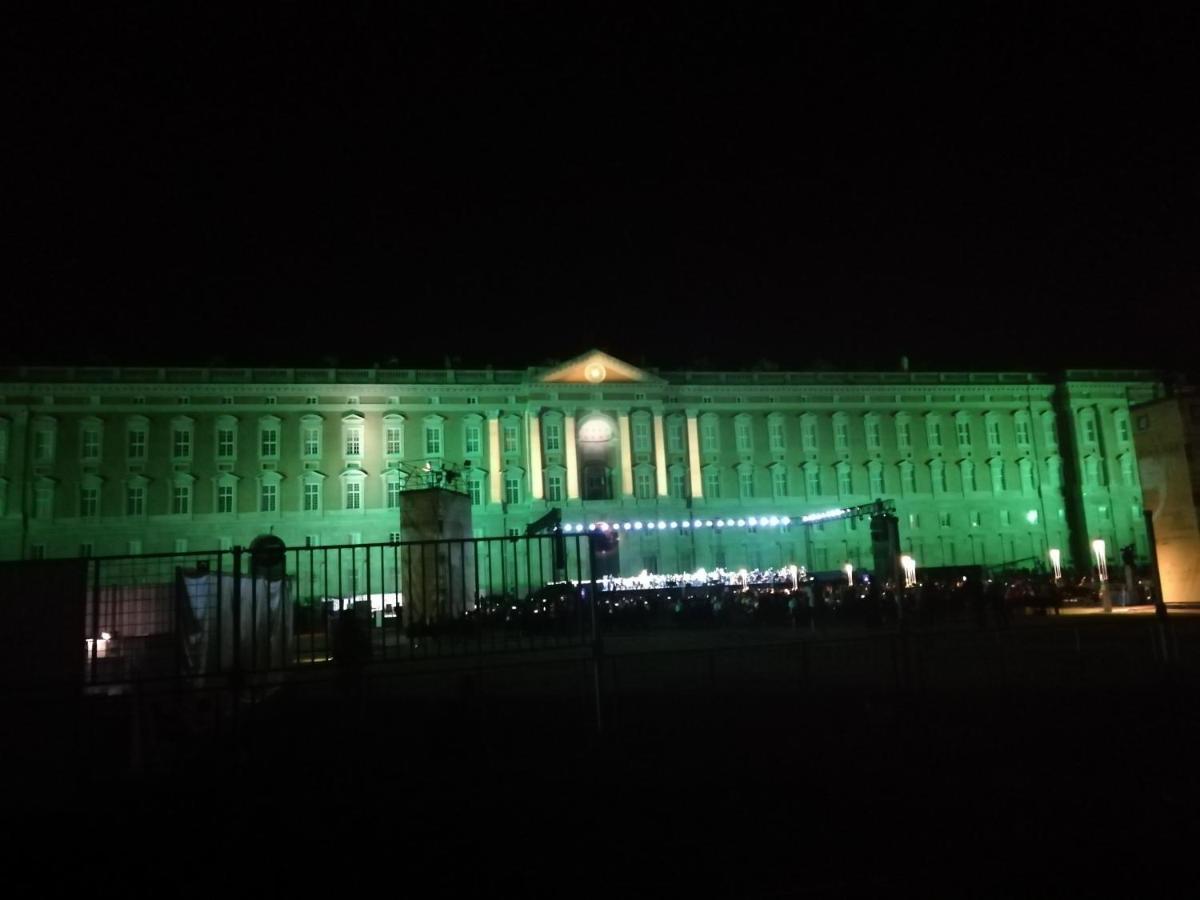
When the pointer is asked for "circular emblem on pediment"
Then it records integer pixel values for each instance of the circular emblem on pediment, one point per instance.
(595, 373)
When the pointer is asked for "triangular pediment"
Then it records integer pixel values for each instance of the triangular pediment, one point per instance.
(597, 367)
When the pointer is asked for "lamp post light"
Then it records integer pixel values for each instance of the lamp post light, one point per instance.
(1102, 572)
(910, 570)
(1056, 563)
(848, 568)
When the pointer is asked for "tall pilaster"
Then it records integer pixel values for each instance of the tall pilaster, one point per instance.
(693, 439)
(572, 459)
(626, 455)
(535, 454)
(660, 456)
(496, 477)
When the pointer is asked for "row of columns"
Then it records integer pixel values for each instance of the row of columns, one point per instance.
(625, 450)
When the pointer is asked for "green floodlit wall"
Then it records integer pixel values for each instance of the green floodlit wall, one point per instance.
(227, 454)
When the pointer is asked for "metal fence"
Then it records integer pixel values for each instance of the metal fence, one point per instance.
(264, 611)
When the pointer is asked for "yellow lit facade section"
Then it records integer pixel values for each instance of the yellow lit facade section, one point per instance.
(626, 456)
(660, 456)
(496, 476)
(535, 456)
(572, 459)
(693, 440)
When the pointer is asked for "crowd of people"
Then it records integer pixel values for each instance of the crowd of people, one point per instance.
(776, 598)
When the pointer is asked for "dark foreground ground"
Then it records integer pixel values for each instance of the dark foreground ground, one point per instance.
(988, 791)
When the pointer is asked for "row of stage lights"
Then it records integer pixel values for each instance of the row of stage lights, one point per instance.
(662, 525)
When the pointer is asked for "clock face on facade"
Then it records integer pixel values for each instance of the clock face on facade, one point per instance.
(595, 373)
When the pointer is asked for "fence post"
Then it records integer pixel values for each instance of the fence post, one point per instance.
(597, 640)
(235, 602)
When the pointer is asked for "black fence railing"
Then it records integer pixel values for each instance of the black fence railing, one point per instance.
(237, 612)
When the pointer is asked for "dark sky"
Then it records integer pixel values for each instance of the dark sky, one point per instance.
(989, 185)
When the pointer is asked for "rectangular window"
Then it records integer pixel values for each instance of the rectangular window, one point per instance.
(914, 520)
(554, 487)
(877, 483)
(841, 436)
(393, 495)
(393, 440)
(554, 437)
(1005, 518)
(993, 433)
(181, 500)
(675, 436)
(779, 482)
(43, 445)
(475, 491)
(354, 441)
(1051, 433)
(963, 428)
(998, 480)
(312, 441)
(268, 498)
(225, 498)
(1123, 429)
(137, 444)
(644, 485)
(312, 496)
(712, 484)
(135, 501)
(908, 479)
(269, 443)
(904, 435)
(641, 436)
(473, 440)
(812, 481)
(844, 489)
(934, 433)
(975, 519)
(512, 490)
(181, 444)
(939, 479)
(353, 495)
(741, 431)
(433, 440)
(510, 438)
(678, 484)
(808, 435)
(1089, 428)
(708, 436)
(89, 502)
(224, 443)
(746, 484)
(944, 519)
(91, 444)
(873, 438)
(1023, 432)
(775, 435)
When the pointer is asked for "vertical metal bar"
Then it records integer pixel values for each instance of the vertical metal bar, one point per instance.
(325, 600)
(597, 643)
(397, 599)
(253, 613)
(96, 629)
(407, 585)
(237, 623)
(370, 607)
(220, 604)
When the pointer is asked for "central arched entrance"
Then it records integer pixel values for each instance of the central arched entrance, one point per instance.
(597, 450)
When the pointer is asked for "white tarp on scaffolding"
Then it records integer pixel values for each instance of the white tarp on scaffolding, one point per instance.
(264, 616)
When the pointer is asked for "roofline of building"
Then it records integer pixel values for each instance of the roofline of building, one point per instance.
(93, 375)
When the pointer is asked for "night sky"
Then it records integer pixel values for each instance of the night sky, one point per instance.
(987, 186)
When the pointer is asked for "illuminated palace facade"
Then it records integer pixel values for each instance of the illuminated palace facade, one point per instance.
(984, 468)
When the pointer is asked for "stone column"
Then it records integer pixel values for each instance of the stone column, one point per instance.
(626, 455)
(693, 439)
(572, 460)
(497, 477)
(660, 455)
(535, 454)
